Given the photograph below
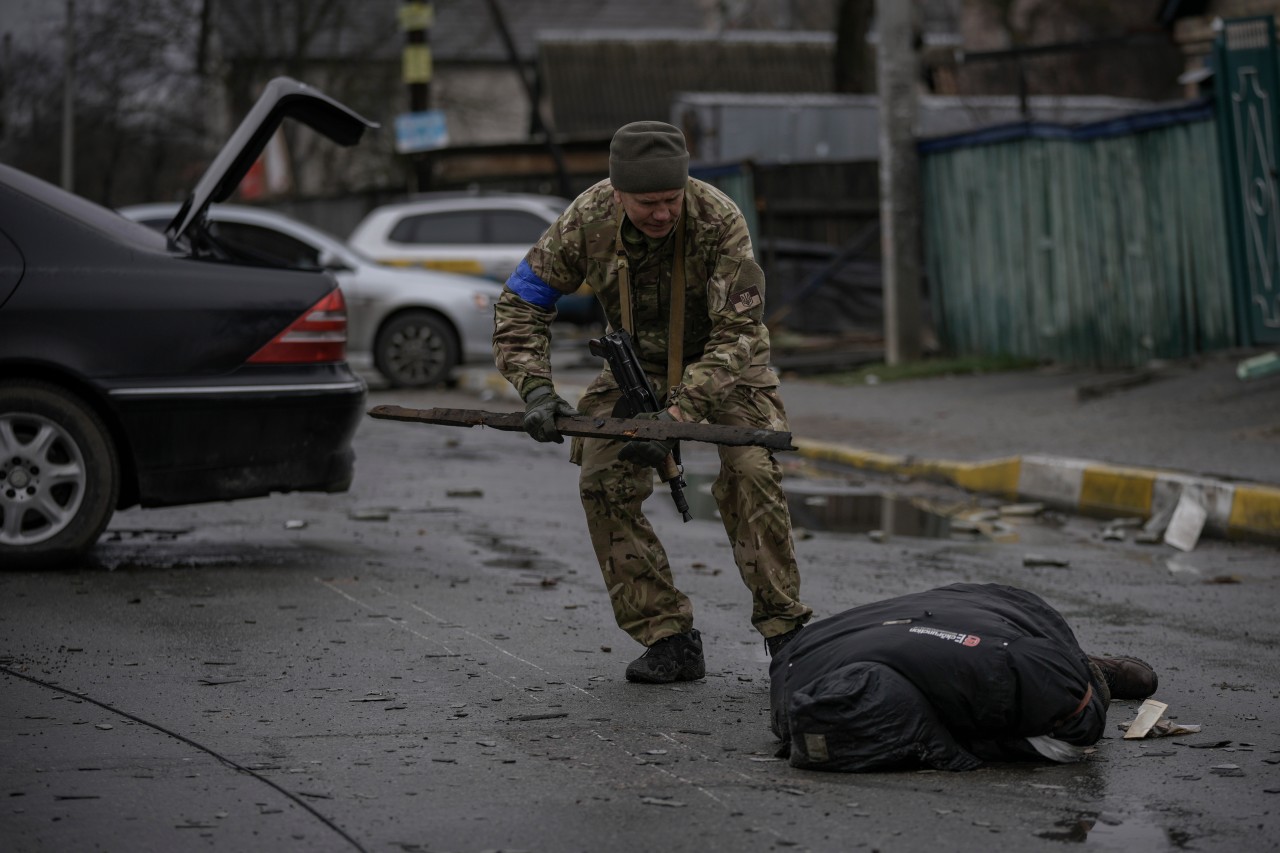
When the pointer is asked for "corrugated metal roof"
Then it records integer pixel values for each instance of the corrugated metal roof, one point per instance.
(464, 30)
(1126, 125)
(667, 33)
(595, 86)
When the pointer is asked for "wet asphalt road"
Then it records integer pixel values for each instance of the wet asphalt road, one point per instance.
(428, 662)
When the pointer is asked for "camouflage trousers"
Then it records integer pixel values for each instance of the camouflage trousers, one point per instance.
(748, 492)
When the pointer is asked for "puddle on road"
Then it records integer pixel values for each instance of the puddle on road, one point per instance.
(866, 513)
(1107, 831)
(839, 508)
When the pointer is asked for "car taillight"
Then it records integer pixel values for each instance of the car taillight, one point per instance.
(317, 336)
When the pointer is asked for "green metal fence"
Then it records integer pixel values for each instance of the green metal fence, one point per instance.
(1248, 86)
(1101, 246)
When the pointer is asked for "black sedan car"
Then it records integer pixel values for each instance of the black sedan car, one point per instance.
(140, 369)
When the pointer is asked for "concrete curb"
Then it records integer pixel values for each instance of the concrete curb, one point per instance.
(1231, 509)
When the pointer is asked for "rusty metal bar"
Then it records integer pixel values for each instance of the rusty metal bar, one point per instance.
(628, 429)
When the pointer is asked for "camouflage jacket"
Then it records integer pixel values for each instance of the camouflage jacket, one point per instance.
(725, 339)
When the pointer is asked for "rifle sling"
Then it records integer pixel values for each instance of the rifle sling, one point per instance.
(675, 321)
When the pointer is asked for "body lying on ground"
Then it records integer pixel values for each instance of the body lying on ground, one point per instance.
(945, 678)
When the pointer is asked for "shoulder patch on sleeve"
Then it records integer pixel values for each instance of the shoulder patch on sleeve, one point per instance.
(748, 292)
(744, 300)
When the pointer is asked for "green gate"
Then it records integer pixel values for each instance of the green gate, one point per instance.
(1248, 95)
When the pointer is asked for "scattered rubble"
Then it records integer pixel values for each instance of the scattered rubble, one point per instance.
(1150, 722)
(1032, 560)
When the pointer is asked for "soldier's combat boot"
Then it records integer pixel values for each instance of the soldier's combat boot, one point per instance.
(674, 658)
(1128, 678)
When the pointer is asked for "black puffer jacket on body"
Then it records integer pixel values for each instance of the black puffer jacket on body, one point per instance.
(945, 677)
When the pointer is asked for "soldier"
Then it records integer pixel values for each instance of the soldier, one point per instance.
(670, 259)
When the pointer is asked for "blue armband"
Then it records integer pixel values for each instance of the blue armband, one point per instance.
(526, 284)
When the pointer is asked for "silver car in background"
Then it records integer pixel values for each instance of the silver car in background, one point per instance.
(476, 233)
(416, 325)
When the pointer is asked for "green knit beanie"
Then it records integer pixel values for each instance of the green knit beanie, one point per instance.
(647, 157)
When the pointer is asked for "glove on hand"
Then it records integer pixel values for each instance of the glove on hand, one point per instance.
(650, 452)
(541, 408)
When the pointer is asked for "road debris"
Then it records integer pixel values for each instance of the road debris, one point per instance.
(1258, 366)
(1116, 529)
(1104, 387)
(1148, 715)
(659, 801)
(1025, 510)
(1148, 723)
(1168, 728)
(1186, 524)
(1042, 560)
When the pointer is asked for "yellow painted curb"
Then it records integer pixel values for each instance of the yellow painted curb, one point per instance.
(1255, 510)
(1126, 491)
(996, 476)
(863, 459)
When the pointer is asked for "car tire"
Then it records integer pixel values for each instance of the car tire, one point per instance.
(59, 475)
(416, 350)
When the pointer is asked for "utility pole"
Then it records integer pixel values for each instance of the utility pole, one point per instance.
(416, 18)
(896, 64)
(540, 124)
(69, 101)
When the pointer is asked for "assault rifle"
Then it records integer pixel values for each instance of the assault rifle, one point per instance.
(637, 398)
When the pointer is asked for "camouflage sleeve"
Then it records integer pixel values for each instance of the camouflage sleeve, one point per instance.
(522, 342)
(735, 301)
(523, 314)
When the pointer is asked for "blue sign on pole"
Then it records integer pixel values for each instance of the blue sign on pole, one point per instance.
(421, 131)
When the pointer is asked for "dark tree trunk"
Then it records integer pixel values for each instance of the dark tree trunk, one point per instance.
(855, 67)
